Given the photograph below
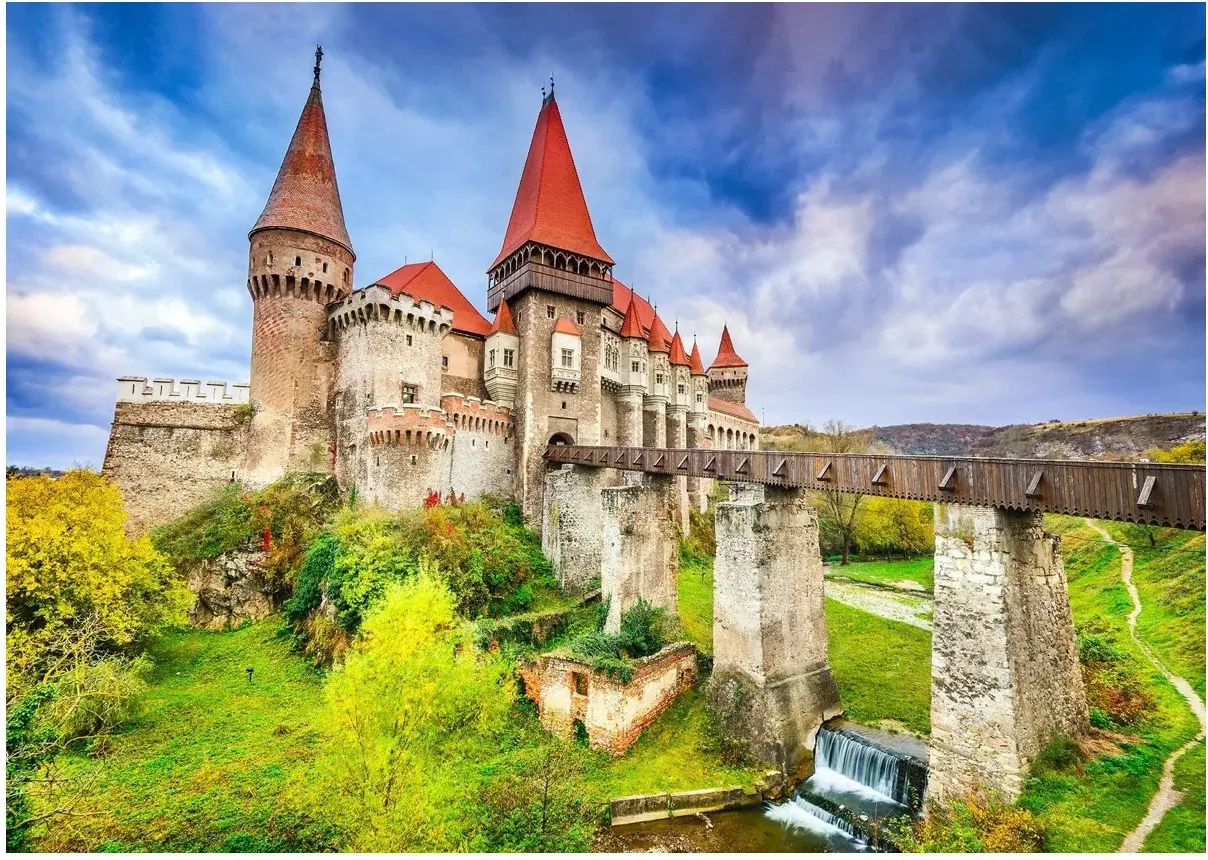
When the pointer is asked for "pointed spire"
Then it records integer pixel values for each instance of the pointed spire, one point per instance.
(678, 356)
(694, 363)
(660, 339)
(726, 356)
(632, 327)
(550, 207)
(503, 321)
(305, 195)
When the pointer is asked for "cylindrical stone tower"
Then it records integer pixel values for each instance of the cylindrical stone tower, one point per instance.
(300, 259)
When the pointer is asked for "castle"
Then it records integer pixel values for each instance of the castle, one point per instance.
(403, 386)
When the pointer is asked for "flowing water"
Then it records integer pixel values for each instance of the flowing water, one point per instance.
(855, 787)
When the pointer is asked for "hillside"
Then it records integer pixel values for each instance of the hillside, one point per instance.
(1091, 439)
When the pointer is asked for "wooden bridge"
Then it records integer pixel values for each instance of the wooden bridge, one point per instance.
(1162, 494)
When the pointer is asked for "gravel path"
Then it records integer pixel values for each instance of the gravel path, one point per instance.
(906, 608)
(1166, 796)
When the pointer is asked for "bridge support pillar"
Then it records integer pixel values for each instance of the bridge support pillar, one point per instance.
(772, 684)
(677, 437)
(571, 518)
(698, 488)
(1004, 670)
(640, 546)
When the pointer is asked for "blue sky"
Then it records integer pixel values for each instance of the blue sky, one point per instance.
(976, 214)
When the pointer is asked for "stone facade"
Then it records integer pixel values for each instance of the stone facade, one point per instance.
(572, 533)
(639, 545)
(1004, 669)
(771, 679)
(613, 713)
(167, 456)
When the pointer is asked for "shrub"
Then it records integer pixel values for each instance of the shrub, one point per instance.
(979, 822)
(644, 630)
(1060, 755)
(1116, 689)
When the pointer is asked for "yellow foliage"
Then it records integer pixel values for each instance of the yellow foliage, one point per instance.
(71, 566)
(895, 525)
(1188, 452)
(980, 822)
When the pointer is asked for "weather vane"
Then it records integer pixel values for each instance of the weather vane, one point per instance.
(318, 60)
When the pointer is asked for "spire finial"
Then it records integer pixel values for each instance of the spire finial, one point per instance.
(318, 60)
(551, 86)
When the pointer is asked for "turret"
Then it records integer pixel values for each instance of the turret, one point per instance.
(681, 375)
(502, 354)
(728, 372)
(300, 259)
(633, 351)
(658, 345)
(700, 382)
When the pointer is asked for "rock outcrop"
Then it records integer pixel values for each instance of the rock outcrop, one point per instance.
(230, 589)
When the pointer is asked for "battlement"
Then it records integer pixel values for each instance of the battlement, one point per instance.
(378, 303)
(408, 425)
(475, 415)
(136, 389)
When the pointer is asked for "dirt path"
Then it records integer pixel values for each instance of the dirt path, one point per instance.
(906, 608)
(1166, 796)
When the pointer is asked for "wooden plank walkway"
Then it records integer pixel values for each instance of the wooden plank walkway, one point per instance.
(1162, 494)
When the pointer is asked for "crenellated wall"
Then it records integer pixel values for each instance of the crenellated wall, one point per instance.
(171, 446)
(482, 453)
(407, 453)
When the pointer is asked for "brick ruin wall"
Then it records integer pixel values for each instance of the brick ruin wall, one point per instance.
(614, 714)
(168, 457)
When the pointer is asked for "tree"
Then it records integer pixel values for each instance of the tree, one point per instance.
(895, 525)
(1187, 452)
(538, 801)
(840, 511)
(411, 715)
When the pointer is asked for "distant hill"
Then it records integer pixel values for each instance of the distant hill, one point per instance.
(1092, 439)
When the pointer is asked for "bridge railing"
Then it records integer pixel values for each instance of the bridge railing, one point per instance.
(1149, 493)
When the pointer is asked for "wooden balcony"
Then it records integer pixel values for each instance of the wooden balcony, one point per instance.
(541, 277)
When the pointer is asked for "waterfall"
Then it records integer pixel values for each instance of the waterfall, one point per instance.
(870, 766)
(799, 813)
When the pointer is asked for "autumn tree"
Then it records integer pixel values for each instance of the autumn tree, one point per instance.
(889, 525)
(839, 511)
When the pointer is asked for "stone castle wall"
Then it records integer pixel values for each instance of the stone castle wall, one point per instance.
(482, 454)
(167, 456)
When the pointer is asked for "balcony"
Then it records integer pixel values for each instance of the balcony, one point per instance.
(564, 379)
(542, 277)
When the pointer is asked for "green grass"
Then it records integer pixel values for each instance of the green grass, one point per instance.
(1182, 828)
(1094, 811)
(883, 667)
(208, 762)
(920, 570)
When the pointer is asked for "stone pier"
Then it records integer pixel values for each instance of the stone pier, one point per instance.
(677, 437)
(640, 557)
(572, 524)
(1004, 670)
(772, 684)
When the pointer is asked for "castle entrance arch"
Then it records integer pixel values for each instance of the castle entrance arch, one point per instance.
(561, 439)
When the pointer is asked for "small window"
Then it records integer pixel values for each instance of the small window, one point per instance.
(491, 359)
(563, 404)
(551, 311)
(634, 367)
(579, 683)
(269, 260)
(412, 459)
(509, 358)
(658, 379)
(700, 398)
(408, 340)
(580, 317)
(409, 392)
(568, 358)
(297, 261)
(444, 362)
(325, 268)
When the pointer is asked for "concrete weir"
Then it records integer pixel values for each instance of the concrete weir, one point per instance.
(771, 679)
(1004, 667)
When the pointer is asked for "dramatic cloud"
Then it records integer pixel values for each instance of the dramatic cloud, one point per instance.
(904, 213)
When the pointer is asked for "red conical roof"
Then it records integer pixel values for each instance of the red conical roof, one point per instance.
(678, 356)
(567, 327)
(632, 327)
(427, 281)
(694, 362)
(550, 207)
(305, 196)
(659, 340)
(503, 321)
(726, 356)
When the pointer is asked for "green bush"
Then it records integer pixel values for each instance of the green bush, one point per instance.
(645, 630)
(1060, 755)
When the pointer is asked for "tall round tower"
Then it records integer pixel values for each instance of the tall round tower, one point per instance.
(300, 259)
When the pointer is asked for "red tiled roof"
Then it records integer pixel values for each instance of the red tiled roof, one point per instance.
(694, 362)
(678, 356)
(726, 356)
(622, 296)
(550, 207)
(632, 327)
(305, 195)
(427, 281)
(503, 321)
(659, 339)
(735, 409)
(567, 327)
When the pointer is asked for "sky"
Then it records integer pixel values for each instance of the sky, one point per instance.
(905, 213)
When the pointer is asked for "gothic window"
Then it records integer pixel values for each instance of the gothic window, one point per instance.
(568, 358)
(409, 392)
(491, 359)
(551, 311)
(580, 317)
(509, 358)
